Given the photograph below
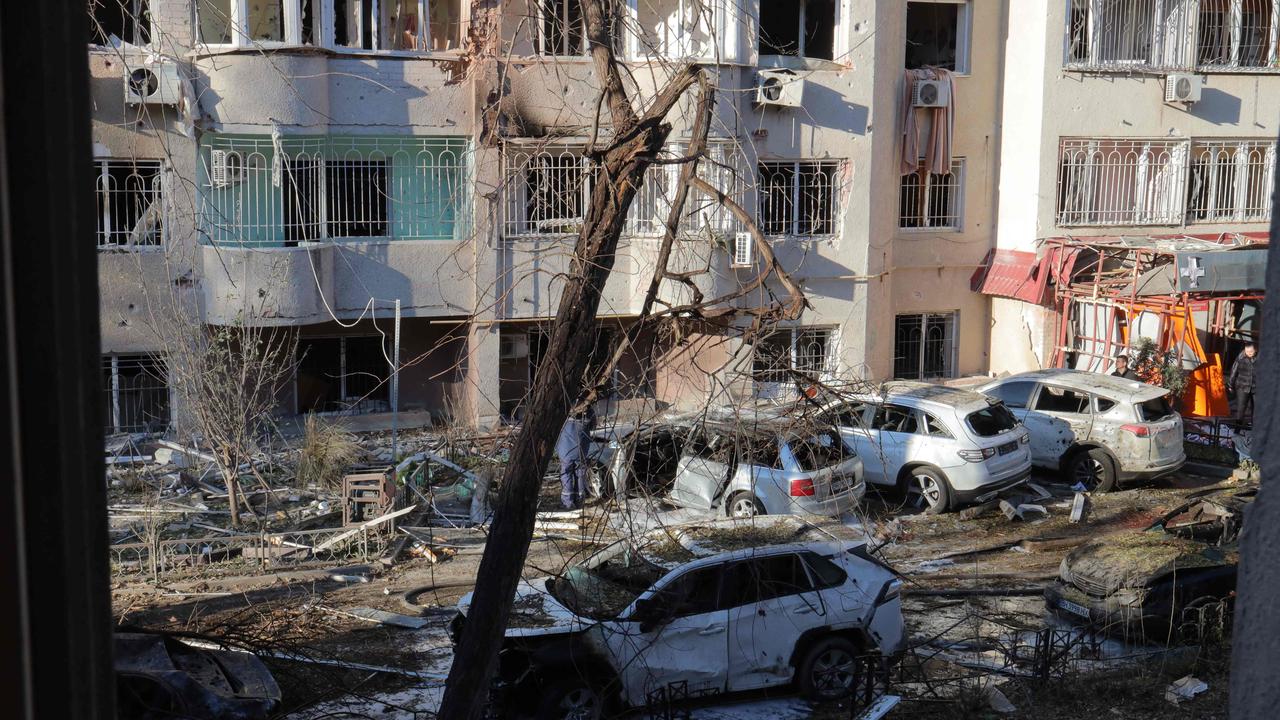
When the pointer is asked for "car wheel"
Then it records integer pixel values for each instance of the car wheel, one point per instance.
(599, 482)
(1093, 469)
(744, 505)
(572, 700)
(829, 671)
(928, 490)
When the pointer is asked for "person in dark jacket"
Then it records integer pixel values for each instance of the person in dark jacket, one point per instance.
(1122, 368)
(572, 447)
(1242, 381)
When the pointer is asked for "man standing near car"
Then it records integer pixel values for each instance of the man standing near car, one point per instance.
(1123, 370)
(572, 447)
(1242, 382)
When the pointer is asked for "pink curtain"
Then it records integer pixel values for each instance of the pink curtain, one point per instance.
(936, 155)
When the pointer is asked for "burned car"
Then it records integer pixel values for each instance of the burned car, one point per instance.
(740, 464)
(1098, 430)
(158, 676)
(1157, 583)
(720, 607)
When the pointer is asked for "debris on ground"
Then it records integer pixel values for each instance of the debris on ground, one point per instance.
(1184, 688)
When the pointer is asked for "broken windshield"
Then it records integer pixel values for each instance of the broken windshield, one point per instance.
(605, 585)
(992, 420)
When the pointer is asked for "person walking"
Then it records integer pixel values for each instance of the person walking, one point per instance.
(1123, 370)
(1242, 381)
(572, 446)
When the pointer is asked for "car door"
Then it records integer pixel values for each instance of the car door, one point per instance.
(702, 471)
(891, 428)
(1057, 417)
(854, 424)
(771, 602)
(677, 634)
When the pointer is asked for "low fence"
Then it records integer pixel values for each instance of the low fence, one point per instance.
(247, 552)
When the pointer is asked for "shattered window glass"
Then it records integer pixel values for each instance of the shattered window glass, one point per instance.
(753, 581)
(1056, 399)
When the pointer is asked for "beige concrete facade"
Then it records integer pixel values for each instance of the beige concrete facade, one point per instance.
(1014, 101)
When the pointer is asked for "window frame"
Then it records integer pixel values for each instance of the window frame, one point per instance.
(950, 319)
(801, 17)
(325, 13)
(112, 362)
(836, 166)
(343, 373)
(956, 209)
(142, 27)
(964, 33)
(540, 46)
(795, 336)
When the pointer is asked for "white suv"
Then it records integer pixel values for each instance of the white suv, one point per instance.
(689, 611)
(1097, 429)
(941, 446)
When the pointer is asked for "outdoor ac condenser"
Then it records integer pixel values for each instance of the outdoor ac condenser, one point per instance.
(930, 93)
(779, 88)
(152, 84)
(1182, 88)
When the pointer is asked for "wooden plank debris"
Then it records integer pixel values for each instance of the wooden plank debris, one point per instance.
(385, 618)
(356, 530)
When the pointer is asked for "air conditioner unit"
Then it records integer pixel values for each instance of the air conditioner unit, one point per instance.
(152, 84)
(930, 93)
(225, 168)
(743, 250)
(513, 347)
(1182, 88)
(781, 88)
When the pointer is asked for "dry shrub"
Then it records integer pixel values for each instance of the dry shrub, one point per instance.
(327, 451)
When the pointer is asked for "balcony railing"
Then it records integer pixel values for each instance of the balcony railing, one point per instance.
(261, 192)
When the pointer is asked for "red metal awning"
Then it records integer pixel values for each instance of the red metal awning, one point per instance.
(1016, 274)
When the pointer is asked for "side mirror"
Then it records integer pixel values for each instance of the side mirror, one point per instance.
(649, 614)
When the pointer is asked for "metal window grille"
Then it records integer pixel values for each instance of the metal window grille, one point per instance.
(1230, 181)
(1127, 34)
(924, 346)
(932, 200)
(806, 350)
(546, 191)
(797, 198)
(342, 374)
(307, 189)
(129, 202)
(136, 393)
(1121, 182)
(720, 167)
(563, 27)
(1236, 33)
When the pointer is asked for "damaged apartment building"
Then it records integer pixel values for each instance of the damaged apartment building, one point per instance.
(410, 175)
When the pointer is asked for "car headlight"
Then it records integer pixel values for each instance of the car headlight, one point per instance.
(1128, 597)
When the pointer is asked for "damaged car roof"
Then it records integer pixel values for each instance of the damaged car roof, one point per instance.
(674, 545)
(1115, 387)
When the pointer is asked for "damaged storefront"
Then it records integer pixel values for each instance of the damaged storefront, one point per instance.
(1196, 297)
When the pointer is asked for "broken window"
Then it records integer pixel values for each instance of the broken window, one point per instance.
(546, 192)
(563, 27)
(356, 198)
(1056, 399)
(343, 374)
(938, 35)
(1107, 181)
(136, 390)
(780, 355)
(932, 200)
(806, 31)
(353, 22)
(1229, 181)
(797, 198)
(129, 20)
(1013, 394)
(265, 20)
(1235, 33)
(129, 208)
(216, 22)
(924, 346)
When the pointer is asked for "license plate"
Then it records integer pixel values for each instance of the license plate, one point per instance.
(1074, 608)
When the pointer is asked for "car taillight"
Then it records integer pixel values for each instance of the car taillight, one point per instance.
(1025, 438)
(801, 487)
(977, 455)
(1137, 430)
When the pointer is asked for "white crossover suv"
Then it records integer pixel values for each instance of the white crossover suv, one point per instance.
(691, 611)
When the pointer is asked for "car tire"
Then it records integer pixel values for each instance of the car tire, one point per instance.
(927, 489)
(829, 670)
(600, 485)
(573, 699)
(743, 504)
(1092, 468)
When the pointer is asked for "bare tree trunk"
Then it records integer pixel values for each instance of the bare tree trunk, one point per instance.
(561, 378)
(233, 496)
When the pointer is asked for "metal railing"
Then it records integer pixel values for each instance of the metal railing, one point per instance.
(1121, 182)
(1230, 180)
(258, 552)
(798, 198)
(264, 192)
(136, 393)
(932, 200)
(1125, 35)
(130, 206)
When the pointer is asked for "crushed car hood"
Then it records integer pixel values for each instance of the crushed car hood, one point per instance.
(1133, 560)
(535, 611)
